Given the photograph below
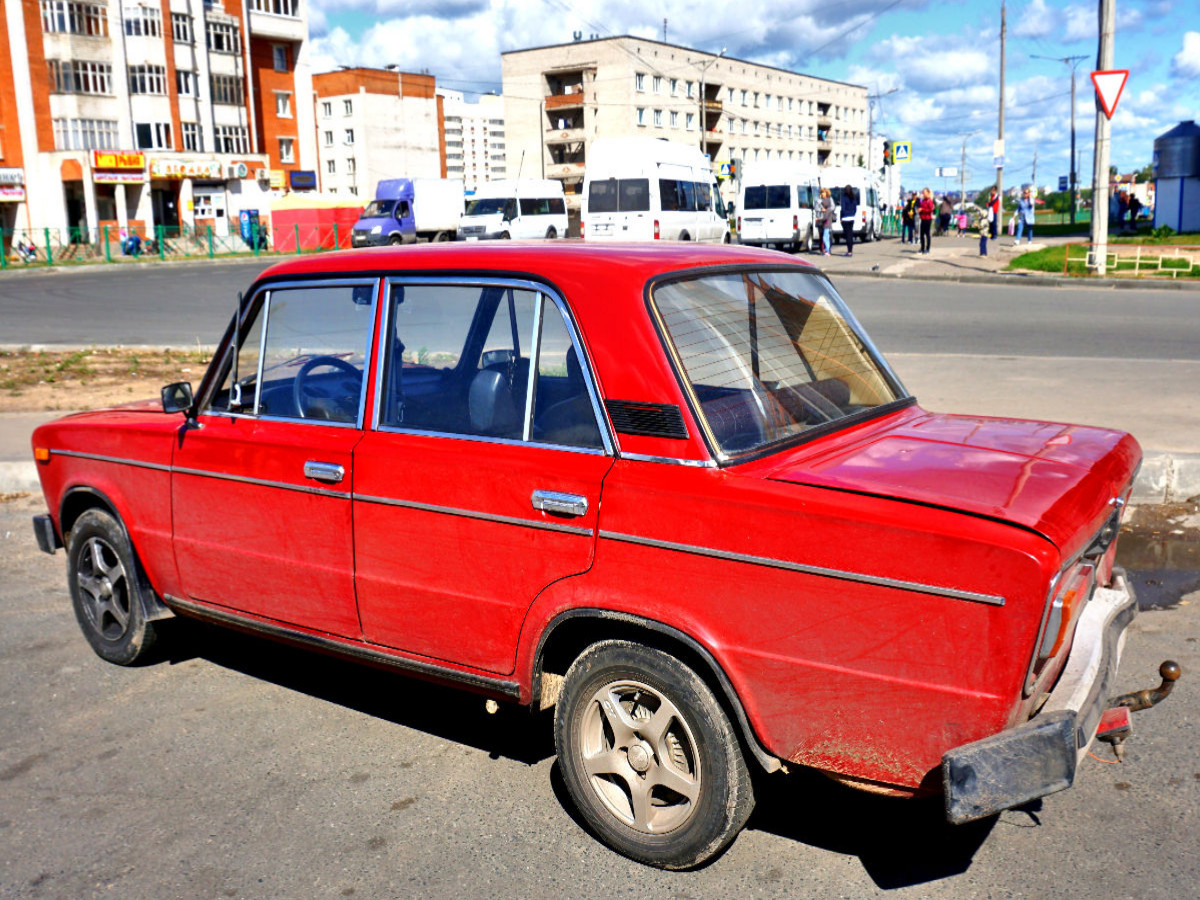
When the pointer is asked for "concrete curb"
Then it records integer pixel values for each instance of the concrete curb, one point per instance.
(1014, 279)
(1164, 478)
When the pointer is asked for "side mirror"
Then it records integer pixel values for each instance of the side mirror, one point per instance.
(177, 397)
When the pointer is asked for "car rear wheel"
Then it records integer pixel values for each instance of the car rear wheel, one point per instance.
(551, 233)
(649, 757)
(106, 585)
(505, 236)
(395, 239)
(808, 242)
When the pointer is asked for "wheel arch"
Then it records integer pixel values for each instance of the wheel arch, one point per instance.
(573, 631)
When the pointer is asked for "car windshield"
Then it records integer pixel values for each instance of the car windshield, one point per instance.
(378, 209)
(487, 206)
(769, 355)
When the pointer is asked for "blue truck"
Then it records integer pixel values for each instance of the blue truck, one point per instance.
(406, 210)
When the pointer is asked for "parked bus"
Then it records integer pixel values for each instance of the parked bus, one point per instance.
(775, 205)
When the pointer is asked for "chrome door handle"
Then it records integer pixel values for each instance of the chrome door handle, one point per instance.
(323, 471)
(560, 504)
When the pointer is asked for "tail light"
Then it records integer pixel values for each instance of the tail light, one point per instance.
(739, 223)
(581, 229)
(656, 229)
(795, 223)
(1073, 590)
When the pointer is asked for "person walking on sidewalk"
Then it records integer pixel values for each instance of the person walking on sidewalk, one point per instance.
(925, 213)
(945, 211)
(849, 216)
(908, 218)
(825, 218)
(1025, 217)
(993, 215)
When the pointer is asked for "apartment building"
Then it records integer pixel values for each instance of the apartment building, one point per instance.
(151, 112)
(377, 123)
(560, 98)
(475, 139)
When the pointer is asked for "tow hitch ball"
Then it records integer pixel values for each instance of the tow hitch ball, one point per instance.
(1115, 724)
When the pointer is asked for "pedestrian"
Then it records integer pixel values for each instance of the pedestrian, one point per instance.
(963, 221)
(1135, 207)
(849, 215)
(983, 228)
(945, 211)
(908, 218)
(925, 213)
(993, 215)
(1025, 216)
(826, 219)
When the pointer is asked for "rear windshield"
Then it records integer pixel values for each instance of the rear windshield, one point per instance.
(619, 195)
(377, 209)
(768, 196)
(769, 355)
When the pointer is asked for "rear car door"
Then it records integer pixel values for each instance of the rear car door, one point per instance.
(261, 488)
(480, 483)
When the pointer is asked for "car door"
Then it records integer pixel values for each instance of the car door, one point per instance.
(480, 484)
(261, 486)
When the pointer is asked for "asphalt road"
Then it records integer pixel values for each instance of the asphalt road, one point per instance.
(237, 768)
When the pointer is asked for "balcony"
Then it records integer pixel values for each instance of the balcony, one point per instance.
(564, 170)
(565, 101)
(564, 135)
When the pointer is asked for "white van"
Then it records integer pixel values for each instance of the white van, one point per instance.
(529, 209)
(648, 189)
(866, 186)
(775, 205)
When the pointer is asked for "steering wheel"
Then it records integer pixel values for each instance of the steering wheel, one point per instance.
(311, 400)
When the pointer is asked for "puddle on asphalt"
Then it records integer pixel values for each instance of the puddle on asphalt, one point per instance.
(1160, 549)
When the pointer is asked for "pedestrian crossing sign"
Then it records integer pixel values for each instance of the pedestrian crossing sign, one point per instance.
(902, 151)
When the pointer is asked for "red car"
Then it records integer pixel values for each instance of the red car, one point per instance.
(672, 489)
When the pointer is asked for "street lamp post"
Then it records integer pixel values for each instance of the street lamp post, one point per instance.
(1073, 62)
(703, 70)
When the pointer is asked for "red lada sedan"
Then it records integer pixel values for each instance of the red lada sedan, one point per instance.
(672, 490)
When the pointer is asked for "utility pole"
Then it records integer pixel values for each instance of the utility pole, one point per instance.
(1073, 62)
(871, 98)
(1100, 180)
(703, 112)
(1000, 134)
(1033, 175)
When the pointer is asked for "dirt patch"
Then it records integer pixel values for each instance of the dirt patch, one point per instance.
(37, 380)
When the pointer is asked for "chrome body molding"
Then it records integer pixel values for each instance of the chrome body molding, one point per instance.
(861, 578)
(344, 648)
(670, 460)
(263, 482)
(119, 460)
(474, 514)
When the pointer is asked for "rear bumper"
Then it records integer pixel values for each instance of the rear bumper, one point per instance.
(1040, 757)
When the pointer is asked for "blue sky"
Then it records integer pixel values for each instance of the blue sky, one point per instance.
(936, 63)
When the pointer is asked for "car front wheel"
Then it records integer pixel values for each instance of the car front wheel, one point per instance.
(106, 587)
(649, 757)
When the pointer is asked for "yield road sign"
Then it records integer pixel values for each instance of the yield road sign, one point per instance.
(1109, 85)
(902, 151)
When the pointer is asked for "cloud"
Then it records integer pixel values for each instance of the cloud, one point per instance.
(1037, 21)
(1186, 63)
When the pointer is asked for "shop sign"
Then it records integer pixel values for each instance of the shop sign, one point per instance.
(10, 194)
(303, 180)
(278, 178)
(138, 177)
(187, 168)
(118, 159)
(9, 176)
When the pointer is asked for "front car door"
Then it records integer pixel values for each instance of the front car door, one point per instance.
(480, 484)
(261, 487)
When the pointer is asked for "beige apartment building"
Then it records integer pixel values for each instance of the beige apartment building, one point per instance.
(558, 99)
(475, 138)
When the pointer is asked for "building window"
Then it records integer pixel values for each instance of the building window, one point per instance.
(181, 29)
(690, 122)
(279, 54)
(347, 107)
(147, 80)
(743, 98)
(153, 135)
(277, 7)
(192, 139)
(641, 115)
(223, 37)
(328, 138)
(64, 17)
(353, 190)
(186, 83)
(331, 166)
(80, 77)
(227, 89)
(232, 139)
(656, 84)
(351, 165)
(730, 94)
(349, 136)
(690, 85)
(142, 21)
(768, 101)
(85, 134)
(639, 81)
(283, 104)
(287, 150)
(674, 119)
(658, 118)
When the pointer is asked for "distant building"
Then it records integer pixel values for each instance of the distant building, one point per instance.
(558, 99)
(374, 124)
(475, 139)
(140, 114)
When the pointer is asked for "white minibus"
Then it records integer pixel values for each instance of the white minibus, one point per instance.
(866, 187)
(775, 205)
(529, 209)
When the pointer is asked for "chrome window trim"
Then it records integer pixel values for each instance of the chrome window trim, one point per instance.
(535, 350)
(840, 574)
(474, 514)
(263, 482)
(119, 460)
(542, 291)
(671, 460)
(488, 439)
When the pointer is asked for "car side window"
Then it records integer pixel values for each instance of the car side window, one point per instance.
(310, 362)
(458, 361)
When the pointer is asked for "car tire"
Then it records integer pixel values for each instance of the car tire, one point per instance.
(663, 780)
(505, 236)
(442, 236)
(684, 236)
(107, 586)
(551, 233)
(395, 240)
(808, 242)
(729, 238)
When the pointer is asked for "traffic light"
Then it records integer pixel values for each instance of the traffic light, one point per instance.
(887, 153)
(733, 168)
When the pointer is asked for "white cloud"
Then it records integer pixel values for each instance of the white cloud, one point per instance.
(1186, 63)
(1037, 21)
